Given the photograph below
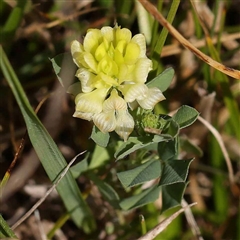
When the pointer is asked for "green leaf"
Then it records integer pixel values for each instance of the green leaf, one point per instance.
(131, 145)
(190, 147)
(80, 167)
(99, 157)
(106, 190)
(171, 128)
(5, 230)
(168, 150)
(158, 45)
(100, 138)
(163, 80)
(148, 196)
(172, 195)
(135, 143)
(174, 171)
(49, 154)
(13, 21)
(145, 172)
(65, 69)
(185, 116)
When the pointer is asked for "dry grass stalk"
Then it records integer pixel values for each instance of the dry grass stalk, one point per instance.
(163, 225)
(41, 200)
(222, 146)
(158, 16)
(176, 49)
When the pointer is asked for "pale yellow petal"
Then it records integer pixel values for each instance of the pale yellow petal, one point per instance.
(107, 32)
(107, 66)
(142, 68)
(132, 53)
(118, 57)
(153, 97)
(82, 115)
(105, 121)
(76, 47)
(78, 59)
(123, 34)
(100, 83)
(114, 102)
(123, 73)
(107, 80)
(124, 124)
(100, 52)
(86, 79)
(135, 91)
(121, 46)
(140, 40)
(91, 102)
(90, 61)
(92, 40)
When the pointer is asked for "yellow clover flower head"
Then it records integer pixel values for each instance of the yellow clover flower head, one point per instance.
(112, 68)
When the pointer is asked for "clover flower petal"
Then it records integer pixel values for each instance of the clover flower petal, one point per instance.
(139, 39)
(107, 66)
(111, 60)
(133, 92)
(124, 124)
(141, 70)
(91, 102)
(154, 95)
(114, 102)
(132, 53)
(123, 34)
(105, 121)
(108, 33)
(83, 115)
(86, 78)
(90, 62)
(91, 40)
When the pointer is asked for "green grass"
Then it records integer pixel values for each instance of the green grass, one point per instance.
(84, 206)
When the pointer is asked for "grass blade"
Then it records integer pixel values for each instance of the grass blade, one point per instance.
(5, 230)
(48, 153)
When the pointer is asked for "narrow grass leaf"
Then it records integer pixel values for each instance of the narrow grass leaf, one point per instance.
(163, 36)
(80, 167)
(13, 21)
(5, 230)
(48, 153)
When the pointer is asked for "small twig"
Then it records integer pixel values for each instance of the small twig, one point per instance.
(159, 17)
(153, 130)
(40, 201)
(222, 146)
(162, 225)
(191, 220)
